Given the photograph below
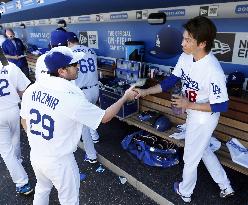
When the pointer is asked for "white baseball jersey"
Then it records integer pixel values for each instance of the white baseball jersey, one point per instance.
(56, 111)
(203, 80)
(87, 75)
(11, 80)
(40, 67)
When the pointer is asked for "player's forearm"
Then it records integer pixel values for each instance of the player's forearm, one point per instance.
(113, 110)
(153, 90)
(204, 107)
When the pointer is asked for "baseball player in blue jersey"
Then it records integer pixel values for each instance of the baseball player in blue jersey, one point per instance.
(13, 82)
(54, 111)
(204, 87)
(87, 81)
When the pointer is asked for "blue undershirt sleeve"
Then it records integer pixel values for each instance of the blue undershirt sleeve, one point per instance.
(219, 107)
(169, 82)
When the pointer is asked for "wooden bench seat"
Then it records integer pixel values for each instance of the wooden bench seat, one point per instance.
(229, 124)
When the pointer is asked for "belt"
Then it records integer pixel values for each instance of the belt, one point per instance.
(88, 87)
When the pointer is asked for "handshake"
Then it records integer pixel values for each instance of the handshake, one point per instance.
(177, 101)
(134, 93)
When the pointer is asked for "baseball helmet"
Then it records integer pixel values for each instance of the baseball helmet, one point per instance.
(162, 124)
(148, 116)
(168, 43)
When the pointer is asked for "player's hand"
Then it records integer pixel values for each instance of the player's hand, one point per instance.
(130, 94)
(140, 92)
(16, 57)
(180, 101)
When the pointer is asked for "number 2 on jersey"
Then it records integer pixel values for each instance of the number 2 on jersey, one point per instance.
(3, 85)
(87, 65)
(46, 121)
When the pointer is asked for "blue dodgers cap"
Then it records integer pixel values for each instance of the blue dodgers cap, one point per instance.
(58, 38)
(71, 36)
(168, 43)
(60, 57)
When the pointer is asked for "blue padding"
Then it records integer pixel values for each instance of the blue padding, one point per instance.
(219, 107)
(169, 82)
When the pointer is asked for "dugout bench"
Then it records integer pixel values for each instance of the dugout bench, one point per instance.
(233, 123)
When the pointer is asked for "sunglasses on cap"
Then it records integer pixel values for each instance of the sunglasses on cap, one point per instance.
(72, 65)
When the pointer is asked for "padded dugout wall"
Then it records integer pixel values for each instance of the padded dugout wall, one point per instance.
(108, 32)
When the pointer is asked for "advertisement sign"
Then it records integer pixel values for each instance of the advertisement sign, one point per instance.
(174, 12)
(209, 10)
(117, 39)
(27, 3)
(241, 9)
(240, 51)
(231, 47)
(18, 5)
(99, 17)
(223, 46)
(119, 16)
(89, 39)
(81, 19)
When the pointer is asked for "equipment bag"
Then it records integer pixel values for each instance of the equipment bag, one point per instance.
(238, 152)
(150, 149)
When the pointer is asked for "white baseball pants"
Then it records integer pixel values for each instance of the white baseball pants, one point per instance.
(10, 145)
(88, 134)
(62, 173)
(199, 129)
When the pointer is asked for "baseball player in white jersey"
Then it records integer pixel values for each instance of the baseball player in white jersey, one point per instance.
(58, 38)
(13, 82)
(53, 113)
(203, 83)
(87, 81)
